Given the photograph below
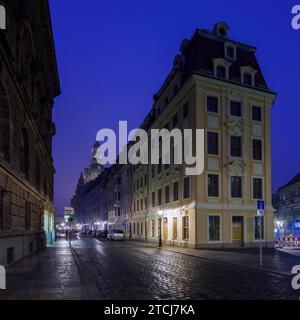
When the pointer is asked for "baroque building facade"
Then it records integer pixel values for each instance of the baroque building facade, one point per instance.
(28, 85)
(215, 84)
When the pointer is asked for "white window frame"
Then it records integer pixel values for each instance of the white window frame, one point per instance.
(206, 144)
(242, 108)
(221, 62)
(250, 70)
(211, 94)
(242, 146)
(262, 114)
(221, 227)
(263, 187)
(262, 151)
(242, 184)
(219, 185)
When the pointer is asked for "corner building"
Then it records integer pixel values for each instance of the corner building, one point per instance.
(215, 84)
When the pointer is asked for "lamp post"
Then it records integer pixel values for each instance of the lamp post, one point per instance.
(160, 213)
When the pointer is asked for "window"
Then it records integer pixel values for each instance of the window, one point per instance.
(153, 199)
(256, 113)
(212, 143)
(257, 188)
(142, 204)
(2, 209)
(175, 191)
(247, 79)
(134, 206)
(186, 110)
(185, 224)
(175, 120)
(2, 17)
(4, 125)
(186, 188)
(174, 228)
(27, 216)
(159, 197)
(236, 187)
(236, 146)
(153, 228)
(167, 194)
(24, 154)
(213, 185)
(137, 185)
(212, 104)
(134, 228)
(214, 228)
(236, 108)
(119, 212)
(146, 203)
(257, 149)
(257, 228)
(145, 180)
(221, 72)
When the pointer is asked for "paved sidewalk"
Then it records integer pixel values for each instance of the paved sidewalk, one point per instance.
(50, 274)
(274, 260)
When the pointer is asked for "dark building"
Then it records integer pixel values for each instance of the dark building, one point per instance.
(90, 199)
(28, 85)
(287, 206)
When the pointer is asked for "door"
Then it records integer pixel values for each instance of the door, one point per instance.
(238, 231)
(165, 228)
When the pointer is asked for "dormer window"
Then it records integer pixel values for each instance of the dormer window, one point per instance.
(2, 17)
(221, 68)
(230, 51)
(247, 79)
(248, 76)
(221, 72)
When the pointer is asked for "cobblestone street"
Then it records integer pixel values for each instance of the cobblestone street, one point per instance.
(127, 270)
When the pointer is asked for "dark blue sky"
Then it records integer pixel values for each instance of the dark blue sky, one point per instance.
(114, 55)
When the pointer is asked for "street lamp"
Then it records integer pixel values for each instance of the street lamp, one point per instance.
(160, 214)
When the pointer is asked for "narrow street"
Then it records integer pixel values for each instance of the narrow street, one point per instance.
(127, 270)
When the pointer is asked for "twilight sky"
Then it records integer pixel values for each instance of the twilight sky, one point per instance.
(114, 55)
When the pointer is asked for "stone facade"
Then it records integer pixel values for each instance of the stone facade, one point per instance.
(28, 85)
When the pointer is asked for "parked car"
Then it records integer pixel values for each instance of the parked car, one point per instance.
(102, 234)
(116, 235)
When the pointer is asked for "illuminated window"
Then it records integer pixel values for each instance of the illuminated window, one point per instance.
(174, 228)
(2, 17)
(214, 228)
(185, 224)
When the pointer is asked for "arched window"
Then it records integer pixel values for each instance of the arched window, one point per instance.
(221, 72)
(4, 126)
(24, 154)
(2, 17)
